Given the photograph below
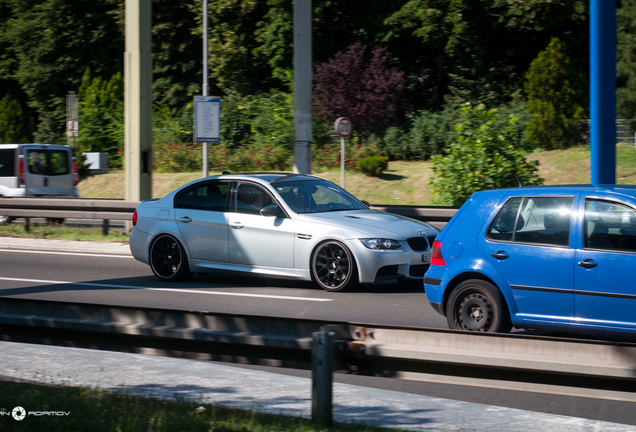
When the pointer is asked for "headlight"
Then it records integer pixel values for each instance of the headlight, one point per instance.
(380, 244)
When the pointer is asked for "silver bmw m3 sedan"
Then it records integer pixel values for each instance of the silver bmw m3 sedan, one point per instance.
(287, 226)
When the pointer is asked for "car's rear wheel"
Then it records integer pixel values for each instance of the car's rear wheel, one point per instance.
(168, 259)
(333, 267)
(477, 305)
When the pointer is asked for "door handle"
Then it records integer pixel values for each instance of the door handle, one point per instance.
(500, 255)
(587, 264)
(185, 219)
(237, 225)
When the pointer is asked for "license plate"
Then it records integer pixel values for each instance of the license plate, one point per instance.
(426, 257)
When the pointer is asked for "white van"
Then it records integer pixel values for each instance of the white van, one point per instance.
(37, 170)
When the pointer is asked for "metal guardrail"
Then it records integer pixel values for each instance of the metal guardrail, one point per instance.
(555, 365)
(62, 208)
(68, 208)
(105, 210)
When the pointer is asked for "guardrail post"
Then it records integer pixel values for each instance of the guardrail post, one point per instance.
(322, 355)
(105, 226)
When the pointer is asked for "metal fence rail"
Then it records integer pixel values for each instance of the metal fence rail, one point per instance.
(105, 210)
(68, 208)
(567, 366)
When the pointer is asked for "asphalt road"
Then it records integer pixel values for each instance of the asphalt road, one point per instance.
(120, 280)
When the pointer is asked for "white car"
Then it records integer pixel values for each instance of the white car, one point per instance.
(278, 225)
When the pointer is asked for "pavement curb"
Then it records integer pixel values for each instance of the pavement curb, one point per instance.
(82, 247)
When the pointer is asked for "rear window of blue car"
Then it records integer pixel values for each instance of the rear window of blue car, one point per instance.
(534, 220)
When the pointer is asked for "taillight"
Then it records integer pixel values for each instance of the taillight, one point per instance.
(21, 172)
(436, 254)
(135, 218)
(75, 174)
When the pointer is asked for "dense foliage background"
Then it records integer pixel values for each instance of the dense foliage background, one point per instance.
(403, 70)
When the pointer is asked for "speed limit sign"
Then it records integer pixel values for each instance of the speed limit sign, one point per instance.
(343, 127)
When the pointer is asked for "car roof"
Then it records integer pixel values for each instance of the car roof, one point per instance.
(615, 188)
(266, 177)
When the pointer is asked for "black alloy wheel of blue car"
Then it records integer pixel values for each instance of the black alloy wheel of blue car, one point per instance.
(477, 305)
(333, 267)
(168, 260)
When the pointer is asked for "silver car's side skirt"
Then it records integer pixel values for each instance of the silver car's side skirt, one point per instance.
(283, 273)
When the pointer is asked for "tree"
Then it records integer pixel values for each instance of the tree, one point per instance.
(13, 120)
(176, 51)
(625, 59)
(556, 98)
(100, 114)
(366, 90)
(485, 155)
(51, 44)
(482, 48)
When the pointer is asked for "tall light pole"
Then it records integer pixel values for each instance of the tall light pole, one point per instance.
(302, 86)
(603, 91)
(205, 78)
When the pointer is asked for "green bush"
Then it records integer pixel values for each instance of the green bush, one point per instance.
(374, 165)
(486, 155)
(326, 157)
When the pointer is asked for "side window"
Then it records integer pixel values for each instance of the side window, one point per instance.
(535, 220)
(609, 226)
(250, 198)
(59, 162)
(36, 160)
(208, 195)
(7, 163)
(503, 226)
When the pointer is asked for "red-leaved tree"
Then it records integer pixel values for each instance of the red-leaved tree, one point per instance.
(361, 87)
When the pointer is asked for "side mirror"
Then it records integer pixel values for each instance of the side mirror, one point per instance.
(272, 211)
(366, 203)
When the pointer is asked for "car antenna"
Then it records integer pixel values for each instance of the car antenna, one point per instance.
(514, 173)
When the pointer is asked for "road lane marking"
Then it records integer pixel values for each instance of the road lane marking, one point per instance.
(67, 253)
(177, 290)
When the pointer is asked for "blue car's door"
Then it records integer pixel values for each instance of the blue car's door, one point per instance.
(604, 271)
(528, 245)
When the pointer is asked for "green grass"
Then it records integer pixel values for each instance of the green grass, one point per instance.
(93, 410)
(63, 232)
(403, 183)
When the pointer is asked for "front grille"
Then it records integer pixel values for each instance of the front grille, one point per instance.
(419, 244)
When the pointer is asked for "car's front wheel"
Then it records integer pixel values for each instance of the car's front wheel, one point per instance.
(333, 267)
(168, 259)
(477, 305)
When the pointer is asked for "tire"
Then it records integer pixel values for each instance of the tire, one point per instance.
(168, 259)
(5, 220)
(333, 267)
(476, 305)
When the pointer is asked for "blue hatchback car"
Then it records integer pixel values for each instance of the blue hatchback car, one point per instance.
(556, 258)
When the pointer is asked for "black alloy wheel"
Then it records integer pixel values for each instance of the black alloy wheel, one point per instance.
(168, 259)
(333, 267)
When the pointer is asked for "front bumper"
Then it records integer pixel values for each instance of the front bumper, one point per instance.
(389, 265)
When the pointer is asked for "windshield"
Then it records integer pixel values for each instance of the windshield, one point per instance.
(317, 197)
